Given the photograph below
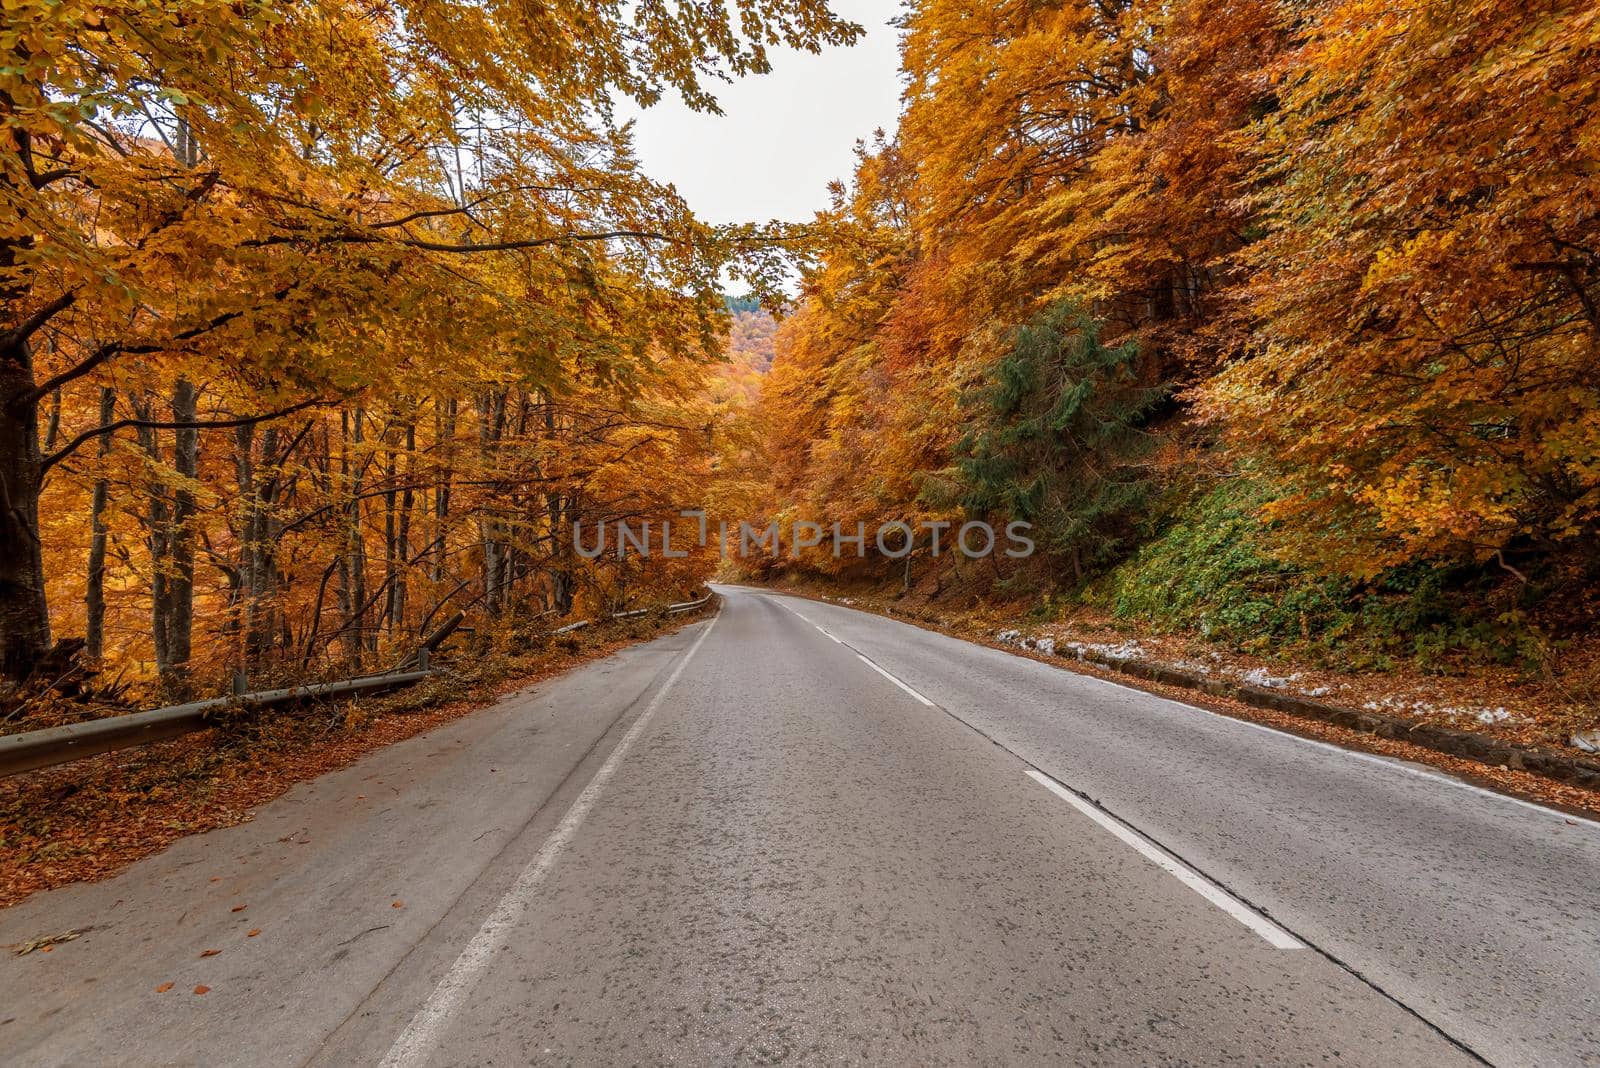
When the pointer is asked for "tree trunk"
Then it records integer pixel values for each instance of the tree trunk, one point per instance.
(491, 428)
(558, 510)
(444, 434)
(397, 591)
(24, 615)
(158, 531)
(258, 489)
(180, 586)
(353, 561)
(94, 598)
(391, 533)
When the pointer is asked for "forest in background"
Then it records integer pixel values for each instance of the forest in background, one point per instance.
(1278, 319)
(322, 321)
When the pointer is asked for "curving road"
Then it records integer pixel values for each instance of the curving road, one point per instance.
(800, 833)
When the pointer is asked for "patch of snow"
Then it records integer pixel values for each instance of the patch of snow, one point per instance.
(1047, 646)
(1588, 741)
(1262, 677)
(1419, 707)
(1129, 650)
(1316, 691)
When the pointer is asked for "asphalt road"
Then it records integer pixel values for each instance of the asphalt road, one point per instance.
(799, 833)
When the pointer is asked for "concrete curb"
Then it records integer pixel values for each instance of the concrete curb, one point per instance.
(1467, 745)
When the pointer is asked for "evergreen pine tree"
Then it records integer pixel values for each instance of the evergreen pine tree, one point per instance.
(1057, 438)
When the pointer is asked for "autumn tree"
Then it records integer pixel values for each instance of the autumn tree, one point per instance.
(1421, 308)
(1057, 439)
(264, 208)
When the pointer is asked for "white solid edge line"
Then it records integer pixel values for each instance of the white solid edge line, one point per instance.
(1274, 935)
(1392, 763)
(1398, 764)
(422, 1033)
(894, 680)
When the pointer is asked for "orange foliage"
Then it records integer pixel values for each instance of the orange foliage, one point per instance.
(1363, 237)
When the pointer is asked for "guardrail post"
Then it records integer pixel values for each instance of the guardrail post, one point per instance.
(241, 685)
(422, 658)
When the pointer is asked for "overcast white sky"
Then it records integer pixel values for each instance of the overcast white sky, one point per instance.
(784, 135)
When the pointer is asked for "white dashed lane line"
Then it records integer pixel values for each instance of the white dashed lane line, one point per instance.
(1274, 935)
(894, 680)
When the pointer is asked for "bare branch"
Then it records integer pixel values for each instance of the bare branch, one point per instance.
(115, 348)
(355, 237)
(31, 325)
(157, 424)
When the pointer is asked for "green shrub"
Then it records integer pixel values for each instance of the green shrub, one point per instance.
(1056, 438)
(1207, 568)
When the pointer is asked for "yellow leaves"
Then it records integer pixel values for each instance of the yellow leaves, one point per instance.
(1375, 247)
(1407, 351)
(45, 943)
(1396, 264)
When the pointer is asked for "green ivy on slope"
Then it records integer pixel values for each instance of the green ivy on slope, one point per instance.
(1208, 569)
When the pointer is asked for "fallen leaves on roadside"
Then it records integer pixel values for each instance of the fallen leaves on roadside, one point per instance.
(123, 807)
(239, 908)
(163, 988)
(46, 943)
(210, 952)
(252, 932)
(398, 905)
(202, 989)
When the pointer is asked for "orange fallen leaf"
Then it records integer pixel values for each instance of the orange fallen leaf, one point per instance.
(163, 988)
(398, 905)
(252, 932)
(239, 908)
(202, 989)
(211, 953)
(46, 949)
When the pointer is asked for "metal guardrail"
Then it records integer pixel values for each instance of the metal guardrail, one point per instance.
(59, 745)
(672, 609)
(74, 741)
